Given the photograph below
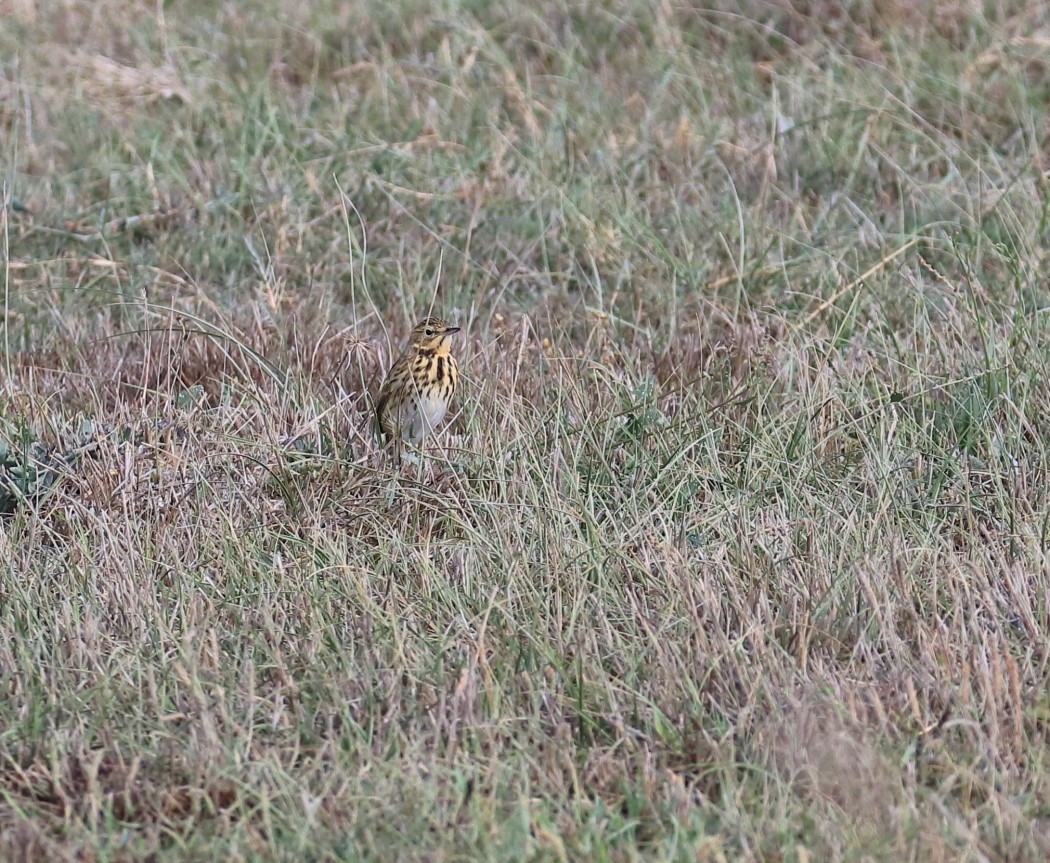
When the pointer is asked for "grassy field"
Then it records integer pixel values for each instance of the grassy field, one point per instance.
(736, 547)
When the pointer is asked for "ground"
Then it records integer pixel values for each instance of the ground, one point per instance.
(736, 545)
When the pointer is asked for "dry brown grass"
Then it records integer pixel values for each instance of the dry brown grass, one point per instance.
(736, 546)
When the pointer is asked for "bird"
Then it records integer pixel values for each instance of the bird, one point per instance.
(420, 385)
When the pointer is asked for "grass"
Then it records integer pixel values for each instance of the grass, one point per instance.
(737, 545)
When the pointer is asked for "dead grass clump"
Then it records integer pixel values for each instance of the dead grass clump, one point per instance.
(820, 756)
(95, 781)
(192, 363)
(113, 83)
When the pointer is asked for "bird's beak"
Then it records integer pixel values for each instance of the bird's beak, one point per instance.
(451, 330)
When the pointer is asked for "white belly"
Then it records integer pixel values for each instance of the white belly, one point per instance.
(422, 418)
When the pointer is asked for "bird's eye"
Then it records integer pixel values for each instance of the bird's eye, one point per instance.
(428, 332)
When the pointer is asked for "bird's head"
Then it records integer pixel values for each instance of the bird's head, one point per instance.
(432, 335)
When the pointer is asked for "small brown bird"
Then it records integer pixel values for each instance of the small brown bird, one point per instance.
(419, 385)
